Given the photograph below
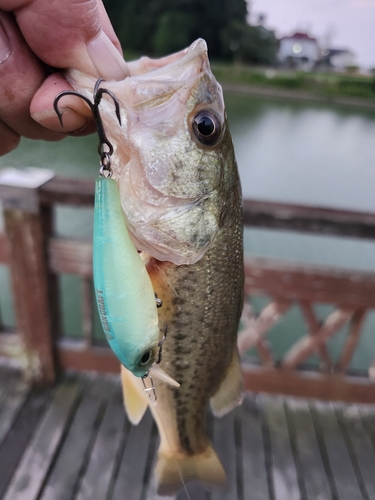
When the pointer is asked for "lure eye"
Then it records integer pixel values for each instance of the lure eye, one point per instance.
(207, 127)
(146, 356)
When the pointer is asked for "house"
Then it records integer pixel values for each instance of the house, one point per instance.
(299, 50)
(338, 59)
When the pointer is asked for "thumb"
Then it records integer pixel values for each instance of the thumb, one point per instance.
(72, 34)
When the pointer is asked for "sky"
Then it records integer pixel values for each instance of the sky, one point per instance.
(347, 24)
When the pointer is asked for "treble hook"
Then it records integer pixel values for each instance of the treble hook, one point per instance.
(94, 107)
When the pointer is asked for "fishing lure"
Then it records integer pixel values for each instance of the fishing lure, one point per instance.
(123, 289)
(126, 301)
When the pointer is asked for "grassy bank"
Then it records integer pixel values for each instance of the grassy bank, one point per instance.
(318, 83)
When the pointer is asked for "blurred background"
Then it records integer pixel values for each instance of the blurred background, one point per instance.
(299, 86)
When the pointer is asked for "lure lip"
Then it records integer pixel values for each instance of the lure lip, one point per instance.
(158, 373)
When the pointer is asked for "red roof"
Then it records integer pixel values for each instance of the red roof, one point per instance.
(299, 36)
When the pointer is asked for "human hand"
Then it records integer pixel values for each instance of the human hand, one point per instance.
(35, 36)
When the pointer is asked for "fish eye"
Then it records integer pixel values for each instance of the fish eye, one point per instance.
(146, 356)
(207, 127)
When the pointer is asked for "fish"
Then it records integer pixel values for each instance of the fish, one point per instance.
(180, 193)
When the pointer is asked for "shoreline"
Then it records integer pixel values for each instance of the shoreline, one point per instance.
(298, 95)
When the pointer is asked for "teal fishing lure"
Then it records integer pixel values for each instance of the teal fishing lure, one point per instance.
(126, 301)
(123, 289)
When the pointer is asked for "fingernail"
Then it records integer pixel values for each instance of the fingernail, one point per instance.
(107, 60)
(72, 121)
(4, 45)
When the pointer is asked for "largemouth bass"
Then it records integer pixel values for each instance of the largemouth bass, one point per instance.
(180, 192)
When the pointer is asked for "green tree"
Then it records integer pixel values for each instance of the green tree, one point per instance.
(156, 27)
(249, 44)
(173, 32)
(133, 21)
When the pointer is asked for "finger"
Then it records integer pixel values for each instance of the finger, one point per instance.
(77, 119)
(21, 74)
(68, 34)
(76, 116)
(9, 139)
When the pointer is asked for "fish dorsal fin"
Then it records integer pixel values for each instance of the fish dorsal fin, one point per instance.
(230, 393)
(135, 398)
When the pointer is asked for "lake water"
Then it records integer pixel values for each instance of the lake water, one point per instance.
(286, 151)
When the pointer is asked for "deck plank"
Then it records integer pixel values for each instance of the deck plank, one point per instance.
(224, 443)
(27, 482)
(73, 457)
(361, 445)
(4, 382)
(98, 478)
(315, 480)
(367, 413)
(254, 472)
(194, 491)
(131, 474)
(345, 482)
(283, 468)
(13, 397)
(19, 434)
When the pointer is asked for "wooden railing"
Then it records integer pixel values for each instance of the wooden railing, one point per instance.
(37, 257)
(351, 293)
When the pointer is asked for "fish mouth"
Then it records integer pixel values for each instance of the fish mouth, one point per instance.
(165, 179)
(158, 89)
(181, 66)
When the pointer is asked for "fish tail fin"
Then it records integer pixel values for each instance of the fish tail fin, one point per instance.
(172, 471)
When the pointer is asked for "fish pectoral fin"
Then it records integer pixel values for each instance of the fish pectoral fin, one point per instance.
(204, 466)
(230, 393)
(135, 398)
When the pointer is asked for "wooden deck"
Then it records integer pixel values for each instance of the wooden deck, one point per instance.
(73, 441)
